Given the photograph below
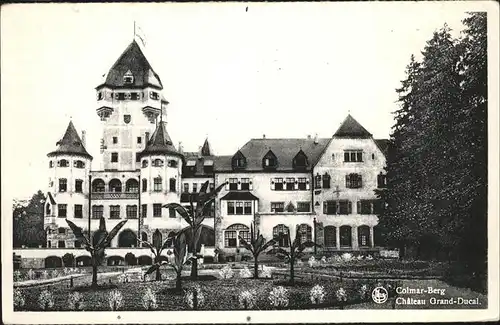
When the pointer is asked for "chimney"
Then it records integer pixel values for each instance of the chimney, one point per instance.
(84, 138)
(181, 150)
(316, 139)
(263, 136)
(147, 138)
(199, 152)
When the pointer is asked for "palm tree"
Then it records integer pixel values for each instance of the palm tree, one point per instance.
(194, 217)
(99, 242)
(157, 247)
(256, 246)
(296, 250)
(180, 258)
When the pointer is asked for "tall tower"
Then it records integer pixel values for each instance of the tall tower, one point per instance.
(129, 103)
(69, 167)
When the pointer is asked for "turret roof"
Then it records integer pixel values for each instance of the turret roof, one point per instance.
(70, 144)
(160, 142)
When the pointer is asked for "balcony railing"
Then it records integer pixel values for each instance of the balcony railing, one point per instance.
(114, 195)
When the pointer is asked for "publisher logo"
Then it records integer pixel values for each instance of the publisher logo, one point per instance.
(380, 295)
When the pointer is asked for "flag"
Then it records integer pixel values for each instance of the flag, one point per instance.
(138, 33)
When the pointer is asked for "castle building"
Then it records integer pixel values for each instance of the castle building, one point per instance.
(324, 186)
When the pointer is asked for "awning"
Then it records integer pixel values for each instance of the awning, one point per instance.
(191, 163)
(51, 198)
(240, 196)
(208, 163)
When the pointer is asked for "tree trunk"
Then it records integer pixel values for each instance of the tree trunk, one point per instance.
(94, 271)
(292, 278)
(194, 269)
(158, 274)
(178, 283)
(255, 268)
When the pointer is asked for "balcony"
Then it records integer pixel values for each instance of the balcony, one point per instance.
(114, 195)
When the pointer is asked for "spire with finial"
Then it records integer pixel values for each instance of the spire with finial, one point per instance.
(206, 149)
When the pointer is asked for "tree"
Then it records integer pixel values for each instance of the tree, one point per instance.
(157, 248)
(295, 251)
(257, 245)
(180, 258)
(28, 222)
(97, 245)
(194, 217)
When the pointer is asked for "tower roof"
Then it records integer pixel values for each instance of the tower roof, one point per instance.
(70, 144)
(160, 143)
(206, 150)
(133, 63)
(351, 128)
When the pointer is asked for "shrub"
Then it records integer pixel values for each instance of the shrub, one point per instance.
(149, 300)
(360, 257)
(278, 297)
(115, 300)
(317, 294)
(75, 300)
(18, 276)
(266, 272)
(341, 295)
(247, 299)
(45, 274)
(245, 273)
(347, 257)
(45, 300)
(19, 300)
(195, 297)
(54, 274)
(300, 263)
(68, 259)
(323, 260)
(226, 272)
(337, 258)
(31, 274)
(364, 292)
(369, 257)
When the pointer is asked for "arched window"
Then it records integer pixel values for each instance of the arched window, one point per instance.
(345, 236)
(51, 164)
(326, 180)
(132, 186)
(157, 238)
(157, 163)
(305, 233)
(144, 237)
(144, 185)
(280, 233)
(144, 163)
(98, 185)
(127, 238)
(317, 181)
(172, 185)
(63, 184)
(353, 181)
(47, 209)
(63, 163)
(330, 236)
(79, 164)
(364, 236)
(115, 185)
(128, 78)
(232, 233)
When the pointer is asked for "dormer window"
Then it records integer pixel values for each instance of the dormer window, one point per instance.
(269, 160)
(128, 78)
(239, 161)
(300, 160)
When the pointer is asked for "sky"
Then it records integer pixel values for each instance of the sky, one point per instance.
(283, 70)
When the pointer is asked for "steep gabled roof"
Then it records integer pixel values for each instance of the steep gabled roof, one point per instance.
(383, 145)
(134, 62)
(351, 128)
(160, 143)
(70, 144)
(206, 150)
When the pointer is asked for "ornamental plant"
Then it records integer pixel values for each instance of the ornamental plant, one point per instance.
(18, 276)
(245, 272)
(369, 258)
(317, 294)
(341, 296)
(45, 300)
(226, 272)
(364, 292)
(149, 300)
(300, 263)
(256, 246)
(266, 272)
(247, 299)
(323, 260)
(311, 262)
(75, 301)
(347, 257)
(195, 297)
(31, 275)
(115, 300)
(278, 297)
(54, 274)
(19, 300)
(45, 274)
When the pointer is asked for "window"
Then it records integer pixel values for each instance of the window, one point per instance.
(233, 184)
(139, 140)
(337, 207)
(157, 163)
(369, 206)
(317, 181)
(277, 206)
(238, 161)
(330, 236)
(344, 207)
(290, 184)
(269, 160)
(157, 210)
(115, 140)
(61, 244)
(62, 210)
(100, 95)
(239, 207)
(171, 213)
(78, 211)
(305, 233)
(326, 180)
(78, 244)
(114, 157)
(114, 212)
(120, 96)
(172, 185)
(79, 164)
(153, 95)
(232, 233)
(373, 156)
(211, 186)
(144, 163)
(144, 185)
(245, 184)
(230, 239)
(63, 163)
(195, 188)
(78, 186)
(330, 207)
(353, 181)
(97, 211)
(98, 185)
(128, 78)
(63, 185)
(280, 233)
(185, 188)
(245, 234)
(131, 211)
(353, 155)
(51, 164)
(303, 206)
(132, 186)
(61, 231)
(115, 185)
(172, 163)
(248, 208)
(157, 185)
(300, 160)
(381, 180)
(278, 184)
(230, 208)
(302, 184)
(135, 96)
(144, 211)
